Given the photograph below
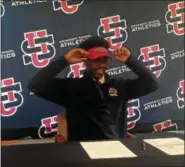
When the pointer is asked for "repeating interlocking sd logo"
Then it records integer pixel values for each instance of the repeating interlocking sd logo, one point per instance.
(175, 18)
(67, 6)
(113, 29)
(11, 97)
(154, 59)
(165, 126)
(38, 48)
(133, 113)
(180, 94)
(76, 70)
(2, 9)
(48, 127)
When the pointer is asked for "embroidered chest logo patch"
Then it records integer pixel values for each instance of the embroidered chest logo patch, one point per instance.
(113, 92)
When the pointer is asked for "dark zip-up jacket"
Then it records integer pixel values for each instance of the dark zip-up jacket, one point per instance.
(92, 111)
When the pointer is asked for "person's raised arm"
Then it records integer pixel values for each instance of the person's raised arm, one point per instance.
(57, 90)
(146, 81)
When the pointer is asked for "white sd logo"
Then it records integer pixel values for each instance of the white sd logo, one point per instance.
(2, 10)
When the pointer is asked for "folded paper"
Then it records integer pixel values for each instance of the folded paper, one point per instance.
(170, 146)
(106, 149)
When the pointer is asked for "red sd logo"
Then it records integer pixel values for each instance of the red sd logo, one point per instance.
(38, 48)
(11, 97)
(175, 18)
(67, 6)
(165, 126)
(48, 127)
(133, 113)
(154, 59)
(113, 29)
(76, 70)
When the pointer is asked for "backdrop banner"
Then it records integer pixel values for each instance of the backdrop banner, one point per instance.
(36, 32)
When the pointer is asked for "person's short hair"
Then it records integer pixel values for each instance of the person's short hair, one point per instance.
(94, 41)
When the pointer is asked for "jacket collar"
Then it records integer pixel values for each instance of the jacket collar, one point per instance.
(88, 75)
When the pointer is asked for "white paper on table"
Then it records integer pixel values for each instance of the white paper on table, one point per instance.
(106, 149)
(171, 146)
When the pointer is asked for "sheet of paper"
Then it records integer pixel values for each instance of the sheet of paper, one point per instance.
(171, 146)
(106, 149)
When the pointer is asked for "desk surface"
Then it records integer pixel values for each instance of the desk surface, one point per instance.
(72, 154)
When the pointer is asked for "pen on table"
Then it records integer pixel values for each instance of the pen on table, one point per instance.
(143, 144)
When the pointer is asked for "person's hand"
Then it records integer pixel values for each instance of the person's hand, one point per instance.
(76, 55)
(121, 55)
